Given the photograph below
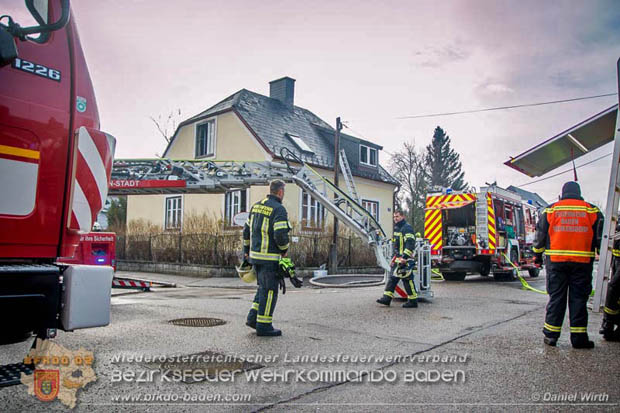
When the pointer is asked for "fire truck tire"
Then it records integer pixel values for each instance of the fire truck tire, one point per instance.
(454, 276)
(485, 269)
(534, 272)
(505, 275)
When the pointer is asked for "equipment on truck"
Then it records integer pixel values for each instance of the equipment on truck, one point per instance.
(469, 232)
(55, 166)
(161, 176)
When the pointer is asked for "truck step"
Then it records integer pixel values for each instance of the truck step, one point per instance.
(29, 268)
(10, 374)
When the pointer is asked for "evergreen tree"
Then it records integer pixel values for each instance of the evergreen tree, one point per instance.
(444, 167)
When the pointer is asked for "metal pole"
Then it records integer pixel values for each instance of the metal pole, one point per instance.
(333, 256)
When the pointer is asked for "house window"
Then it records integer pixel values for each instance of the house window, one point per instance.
(312, 212)
(234, 203)
(300, 143)
(174, 212)
(368, 155)
(205, 139)
(372, 207)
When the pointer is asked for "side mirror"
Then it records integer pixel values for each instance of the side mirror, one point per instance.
(44, 28)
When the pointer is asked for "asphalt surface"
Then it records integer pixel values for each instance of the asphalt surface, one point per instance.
(477, 347)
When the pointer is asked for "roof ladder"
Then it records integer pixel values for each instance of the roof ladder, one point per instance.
(348, 176)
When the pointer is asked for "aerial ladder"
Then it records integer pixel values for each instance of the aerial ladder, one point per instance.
(197, 176)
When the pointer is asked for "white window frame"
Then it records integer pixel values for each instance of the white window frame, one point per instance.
(367, 150)
(229, 215)
(180, 212)
(301, 144)
(316, 221)
(212, 135)
(374, 202)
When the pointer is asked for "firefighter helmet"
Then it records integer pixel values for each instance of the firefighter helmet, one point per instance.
(246, 272)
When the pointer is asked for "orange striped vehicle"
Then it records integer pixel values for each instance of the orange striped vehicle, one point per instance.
(475, 232)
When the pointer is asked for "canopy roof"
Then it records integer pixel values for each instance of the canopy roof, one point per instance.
(566, 146)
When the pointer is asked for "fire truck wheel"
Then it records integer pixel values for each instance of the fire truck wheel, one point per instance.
(485, 269)
(505, 275)
(534, 272)
(454, 276)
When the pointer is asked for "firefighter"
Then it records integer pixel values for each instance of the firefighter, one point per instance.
(265, 242)
(402, 268)
(610, 329)
(569, 233)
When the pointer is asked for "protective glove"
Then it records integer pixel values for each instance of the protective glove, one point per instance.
(282, 285)
(538, 259)
(297, 283)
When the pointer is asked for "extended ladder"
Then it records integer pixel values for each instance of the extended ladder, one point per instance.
(611, 219)
(348, 176)
(160, 176)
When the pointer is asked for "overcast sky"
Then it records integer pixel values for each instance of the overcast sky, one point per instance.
(369, 62)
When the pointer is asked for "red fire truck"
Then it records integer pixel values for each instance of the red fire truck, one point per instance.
(480, 233)
(55, 167)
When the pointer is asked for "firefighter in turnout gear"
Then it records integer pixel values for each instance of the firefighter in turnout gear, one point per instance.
(402, 267)
(265, 241)
(610, 329)
(569, 233)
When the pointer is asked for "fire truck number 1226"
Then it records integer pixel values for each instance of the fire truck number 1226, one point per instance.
(36, 69)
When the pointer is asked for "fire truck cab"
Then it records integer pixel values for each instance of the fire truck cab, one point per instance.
(480, 233)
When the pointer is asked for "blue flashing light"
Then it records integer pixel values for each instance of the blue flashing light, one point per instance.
(100, 260)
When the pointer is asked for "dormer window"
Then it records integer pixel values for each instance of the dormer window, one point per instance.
(303, 146)
(368, 156)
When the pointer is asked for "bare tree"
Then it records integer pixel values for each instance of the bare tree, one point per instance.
(167, 125)
(409, 168)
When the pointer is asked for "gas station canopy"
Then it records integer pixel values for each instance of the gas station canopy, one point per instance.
(566, 146)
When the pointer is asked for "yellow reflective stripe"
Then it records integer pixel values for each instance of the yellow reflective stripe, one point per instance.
(388, 293)
(554, 329)
(572, 208)
(397, 233)
(254, 306)
(568, 253)
(414, 294)
(616, 253)
(280, 225)
(264, 256)
(264, 319)
(284, 247)
(269, 299)
(15, 151)
(611, 312)
(409, 236)
(246, 242)
(578, 330)
(408, 252)
(264, 231)
(538, 250)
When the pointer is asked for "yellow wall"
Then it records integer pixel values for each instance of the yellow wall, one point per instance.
(147, 207)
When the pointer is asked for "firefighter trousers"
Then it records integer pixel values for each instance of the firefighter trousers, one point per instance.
(266, 297)
(408, 283)
(572, 281)
(612, 302)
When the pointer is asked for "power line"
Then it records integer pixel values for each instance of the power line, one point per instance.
(563, 172)
(432, 115)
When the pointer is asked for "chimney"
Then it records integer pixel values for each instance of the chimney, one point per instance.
(283, 89)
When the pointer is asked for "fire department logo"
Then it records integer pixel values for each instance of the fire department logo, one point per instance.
(46, 384)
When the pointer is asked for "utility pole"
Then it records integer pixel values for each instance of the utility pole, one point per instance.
(333, 253)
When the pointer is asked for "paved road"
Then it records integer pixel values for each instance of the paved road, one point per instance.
(483, 337)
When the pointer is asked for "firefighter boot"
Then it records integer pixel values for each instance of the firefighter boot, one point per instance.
(581, 341)
(609, 332)
(411, 303)
(385, 300)
(551, 341)
(251, 320)
(267, 330)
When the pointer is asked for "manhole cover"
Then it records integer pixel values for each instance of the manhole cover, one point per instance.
(197, 322)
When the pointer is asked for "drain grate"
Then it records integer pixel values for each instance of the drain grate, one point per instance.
(198, 322)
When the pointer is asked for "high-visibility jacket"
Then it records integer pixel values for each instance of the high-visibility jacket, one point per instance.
(403, 240)
(615, 252)
(569, 231)
(265, 233)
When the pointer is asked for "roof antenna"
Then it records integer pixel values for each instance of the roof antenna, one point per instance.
(574, 168)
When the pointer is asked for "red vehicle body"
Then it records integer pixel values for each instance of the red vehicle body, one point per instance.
(95, 248)
(55, 167)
